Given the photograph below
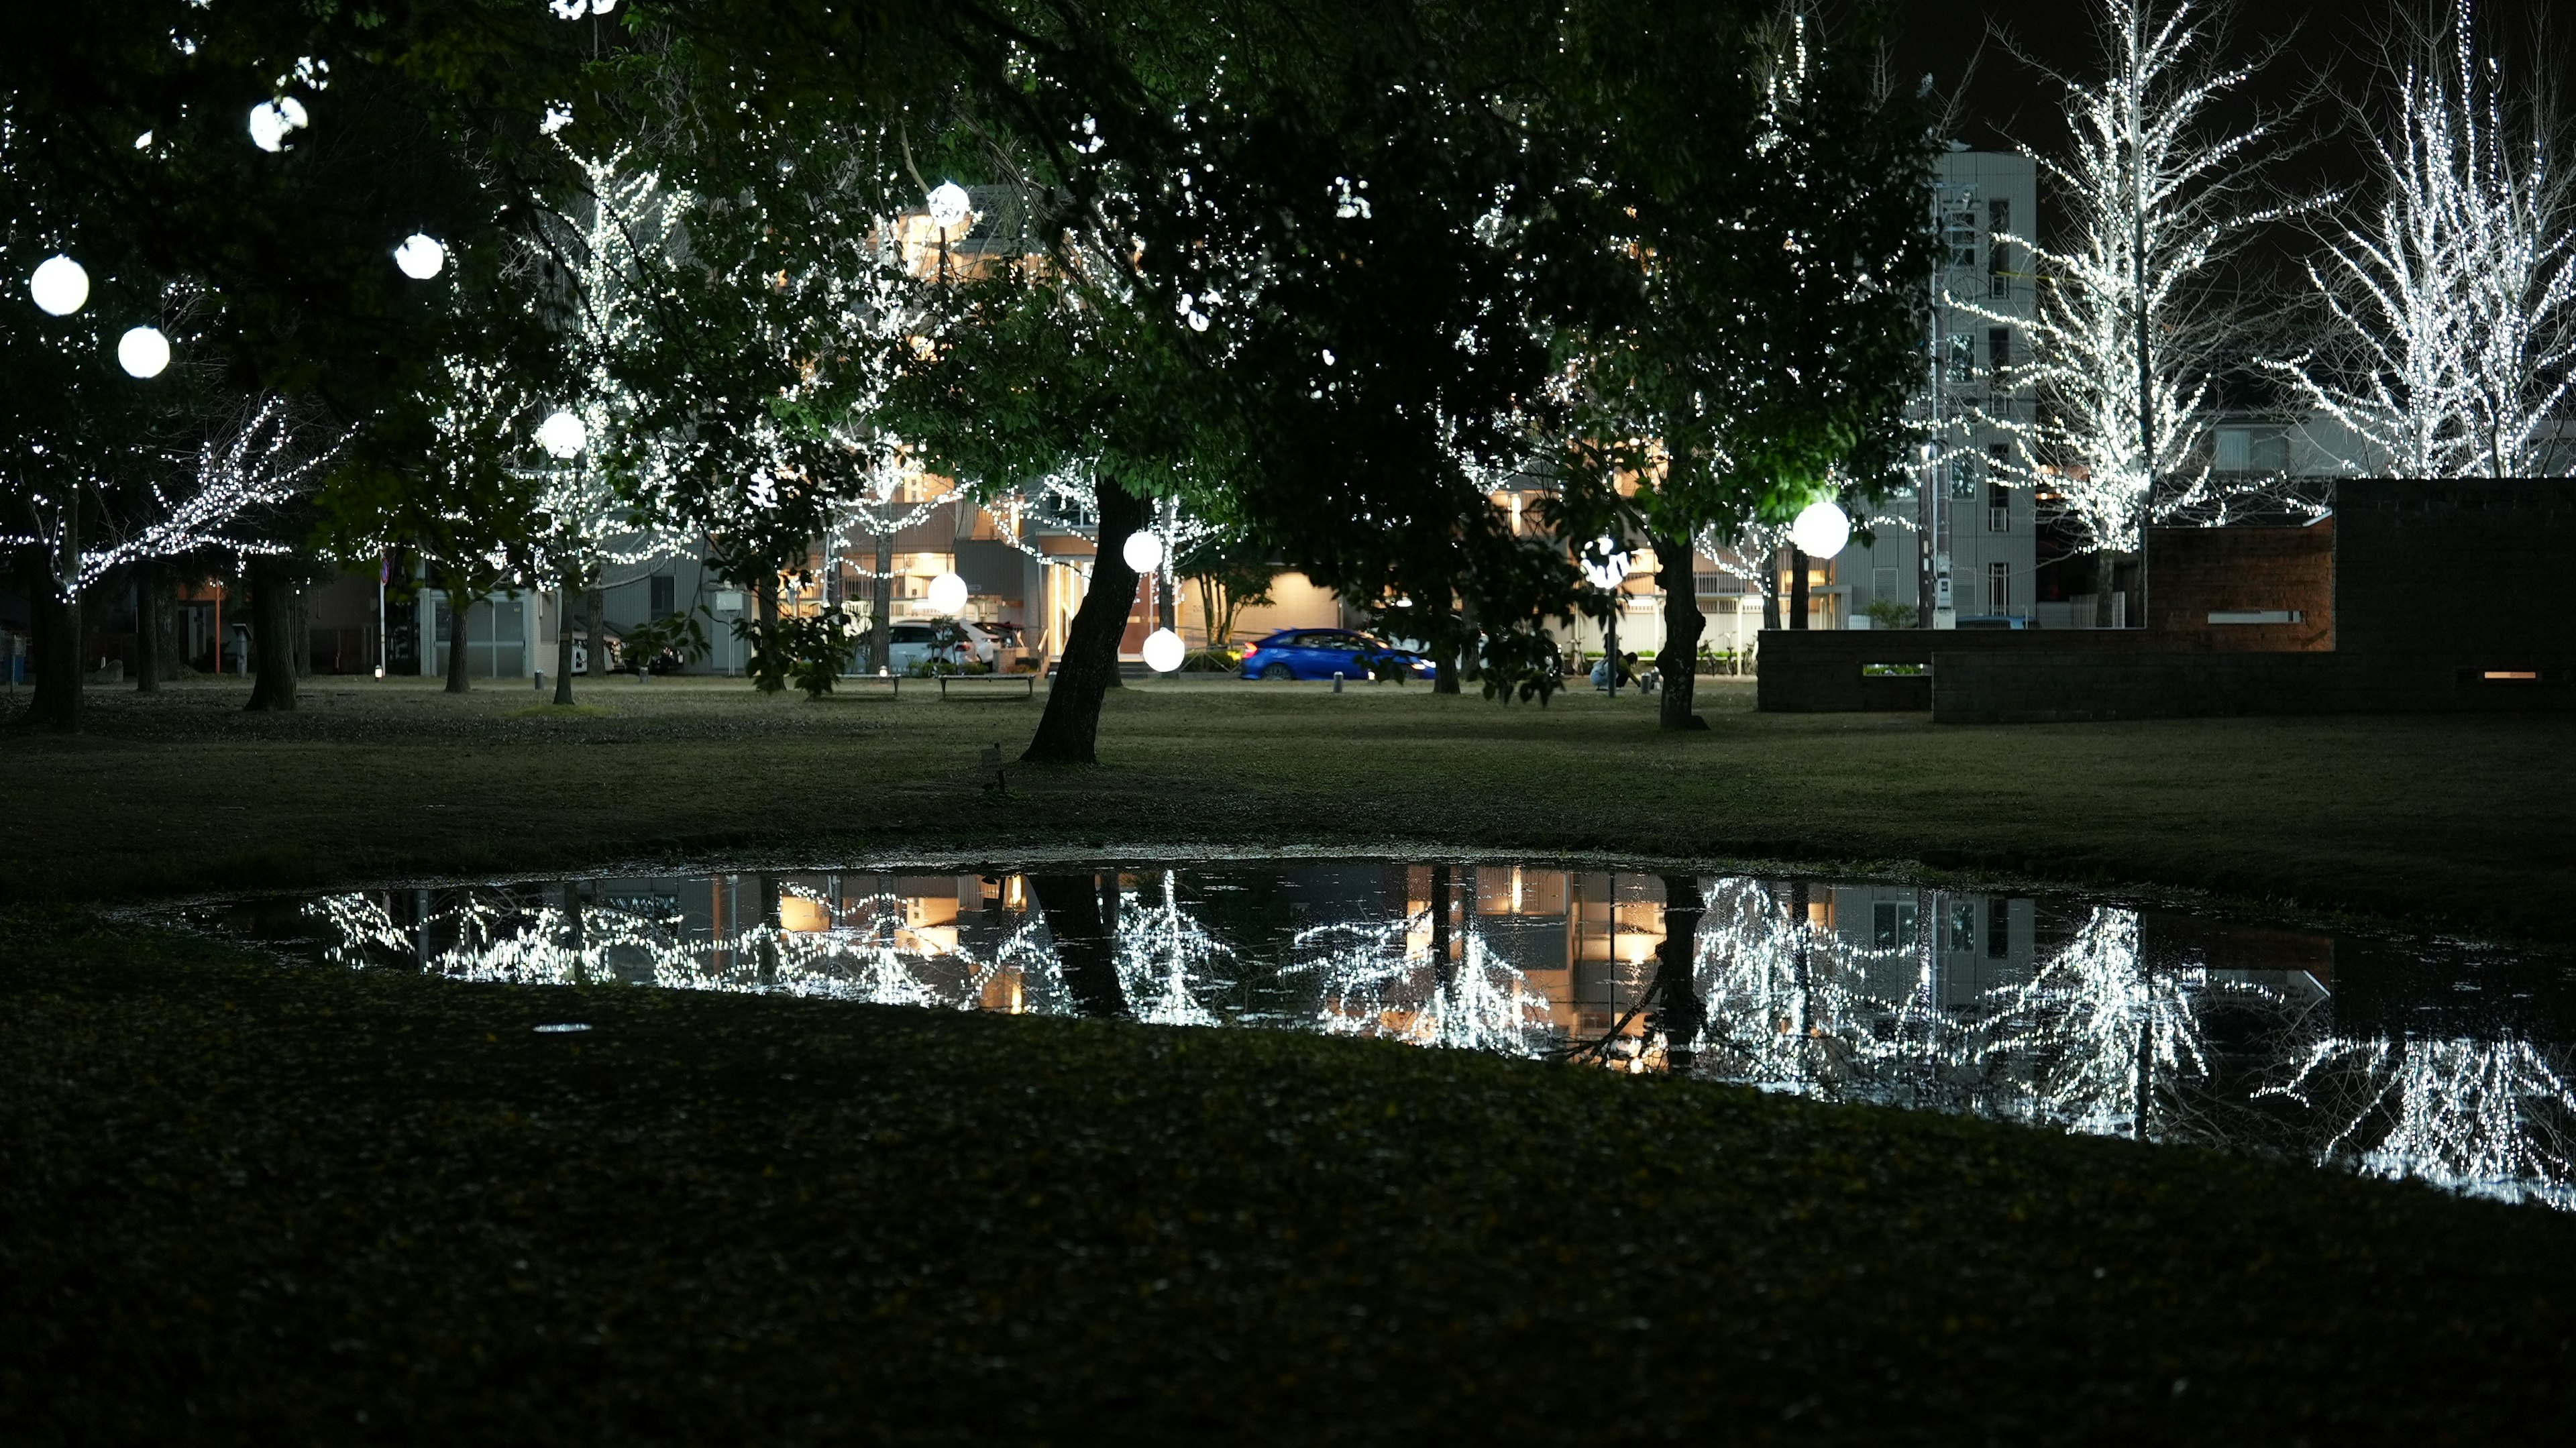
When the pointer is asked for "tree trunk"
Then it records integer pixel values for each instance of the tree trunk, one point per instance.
(881, 607)
(1797, 588)
(272, 635)
(1771, 594)
(2106, 573)
(56, 622)
(1069, 731)
(1086, 951)
(598, 606)
(563, 644)
(1440, 927)
(1679, 662)
(148, 612)
(1680, 1015)
(459, 612)
(302, 633)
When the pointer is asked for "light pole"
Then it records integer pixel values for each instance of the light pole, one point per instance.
(564, 438)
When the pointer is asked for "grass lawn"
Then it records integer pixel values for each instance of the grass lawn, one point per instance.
(2459, 821)
(247, 1203)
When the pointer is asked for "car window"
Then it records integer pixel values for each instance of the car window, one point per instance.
(911, 633)
(1340, 643)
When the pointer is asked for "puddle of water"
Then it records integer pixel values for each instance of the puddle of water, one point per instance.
(2438, 1061)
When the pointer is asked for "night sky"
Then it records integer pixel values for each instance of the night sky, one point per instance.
(2330, 59)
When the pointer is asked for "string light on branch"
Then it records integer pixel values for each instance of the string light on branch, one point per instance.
(1821, 530)
(60, 286)
(271, 121)
(420, 257)
(143, 352)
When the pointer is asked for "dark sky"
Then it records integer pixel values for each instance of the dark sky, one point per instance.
(2329, 56)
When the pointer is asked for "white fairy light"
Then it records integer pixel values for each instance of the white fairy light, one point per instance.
(60, 286)
(420, 257)
(143, 352)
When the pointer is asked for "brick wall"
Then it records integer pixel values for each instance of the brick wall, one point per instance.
(2195, 572)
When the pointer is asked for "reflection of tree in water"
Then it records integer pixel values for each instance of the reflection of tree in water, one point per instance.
(1787, 1007)
(1165, 957)
(2089, 1036)
(2488, 1118)
(1381, 979)
(2096, 1040)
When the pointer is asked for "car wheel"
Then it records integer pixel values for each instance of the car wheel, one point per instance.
(1277, 671)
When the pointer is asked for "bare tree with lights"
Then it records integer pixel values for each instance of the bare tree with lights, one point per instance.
(2129, 332)
(2453, 296)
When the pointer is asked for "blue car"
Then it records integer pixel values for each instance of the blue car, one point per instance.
(1320, 653)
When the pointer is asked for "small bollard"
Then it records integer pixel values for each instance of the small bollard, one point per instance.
(1337, 681)
(541, 681)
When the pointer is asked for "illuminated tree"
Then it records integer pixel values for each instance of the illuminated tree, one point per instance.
(2129, 333)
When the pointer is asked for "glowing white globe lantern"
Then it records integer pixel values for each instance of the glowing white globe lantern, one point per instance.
(949, 205)
(1143, 551)
(1164, 651)
(270, 121)
(59, 286)
(1821, 530)
(563, 436)
(948, 594)
(420, 257)
(143, 352)
(1610, 573)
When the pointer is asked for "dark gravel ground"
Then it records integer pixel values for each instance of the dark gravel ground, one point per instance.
(241, 1203)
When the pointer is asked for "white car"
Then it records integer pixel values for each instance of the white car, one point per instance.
(917, 643)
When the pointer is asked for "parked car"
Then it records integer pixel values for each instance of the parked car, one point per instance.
(1320, 653)
(1992, 620)
(945, 641)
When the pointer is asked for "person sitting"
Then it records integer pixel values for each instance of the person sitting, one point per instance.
(1604, 677)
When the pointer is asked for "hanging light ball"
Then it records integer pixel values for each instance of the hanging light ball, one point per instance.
(563, 436)
(948, 594)
(271, 120)
(143, 352)
(1821, 530)
(1613, 571)
(1164, 651)
(949, 205)
(60, 286)
(1144, 550)
(420, 257)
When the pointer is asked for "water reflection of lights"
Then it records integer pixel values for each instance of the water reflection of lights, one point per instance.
(1875, 994)
(1382, 979)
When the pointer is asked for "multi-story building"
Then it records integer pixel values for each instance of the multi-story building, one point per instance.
(1963, 540)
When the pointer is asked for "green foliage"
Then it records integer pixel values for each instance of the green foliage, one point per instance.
(1522, 664)
(1888, 613)
(681, 635)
